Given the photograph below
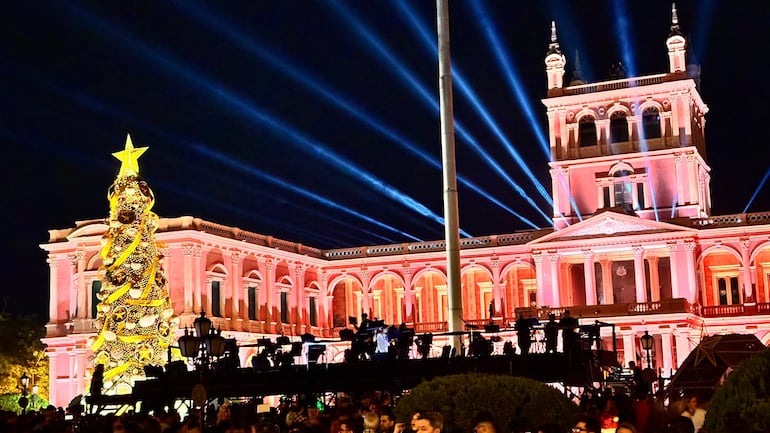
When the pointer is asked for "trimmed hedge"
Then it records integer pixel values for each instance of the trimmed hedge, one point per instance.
(515, 403)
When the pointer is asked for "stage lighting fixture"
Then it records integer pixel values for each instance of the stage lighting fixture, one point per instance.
(314, 351)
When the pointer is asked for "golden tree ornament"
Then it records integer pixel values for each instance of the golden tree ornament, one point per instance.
(135, 316)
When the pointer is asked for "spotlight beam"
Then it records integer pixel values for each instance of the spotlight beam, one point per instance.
(623, 32)
(505, 62)
(429, 98)
(222, 158)
(220, 93)
(756, 191)
(343, 103)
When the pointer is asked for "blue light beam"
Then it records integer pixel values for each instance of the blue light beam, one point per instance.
(222, 158)
(254, 114)
(102, 107)
(623, 32)
(341, 102)
(756, 191)
(430, 99)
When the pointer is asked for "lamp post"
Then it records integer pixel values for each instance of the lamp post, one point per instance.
(648, 374)
(647, 341)
(205, 345)
(23, 401)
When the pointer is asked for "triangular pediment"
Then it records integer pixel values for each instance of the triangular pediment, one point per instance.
(611, 224)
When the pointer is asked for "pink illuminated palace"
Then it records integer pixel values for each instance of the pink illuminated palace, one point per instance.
(633, 243)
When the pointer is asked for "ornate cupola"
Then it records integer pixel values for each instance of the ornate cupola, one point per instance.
(676, 44)
(554, 62)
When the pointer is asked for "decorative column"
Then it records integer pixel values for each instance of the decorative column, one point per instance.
(691, 281)
(470, 300)
(539, 275)
(189, 279)
(53, 300)
(554, 259)
(654, 278)
(603, 130)
(667, 344)
(198, 276)
(692, 173)
(681, 179)
(235, 282)
(629, 348)
(207, 305)
(324, 304)
(683, 348)
(270, 318)
(748, 289)
(641, 289)
(53, 375)
(79, 260)
(366, 296)
(299, 299)
(555, 188)
(408, 293)
(590, 277)
(497, 295)
(674, 260)
(607, 291)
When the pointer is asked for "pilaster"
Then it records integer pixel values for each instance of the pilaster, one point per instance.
(641, 289)
(590, 277)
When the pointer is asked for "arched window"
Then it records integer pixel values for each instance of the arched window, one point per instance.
(624, 196)
(618, 127)
(651, 123)
(587, 131)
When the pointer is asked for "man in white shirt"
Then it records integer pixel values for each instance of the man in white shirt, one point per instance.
(696, 414)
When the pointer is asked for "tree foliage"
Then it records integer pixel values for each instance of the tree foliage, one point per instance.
(10, 402)
(22, 352)
(742, 402)
(515, 403)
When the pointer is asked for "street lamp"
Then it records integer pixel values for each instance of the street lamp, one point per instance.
(205, 345)
(23, 401)
(647, 341)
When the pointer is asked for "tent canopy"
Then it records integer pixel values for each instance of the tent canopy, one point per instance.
(707, 365)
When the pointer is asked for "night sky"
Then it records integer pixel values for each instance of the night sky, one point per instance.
(317, 121)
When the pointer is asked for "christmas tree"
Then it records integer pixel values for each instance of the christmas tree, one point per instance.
(135, 318)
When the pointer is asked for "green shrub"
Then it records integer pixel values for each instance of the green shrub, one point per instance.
(10, 402)
(516, 403)
(742, 402)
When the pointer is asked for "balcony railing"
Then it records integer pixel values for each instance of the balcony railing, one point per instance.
(668, 306)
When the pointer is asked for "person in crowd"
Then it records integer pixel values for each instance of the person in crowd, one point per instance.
(567, 323)
(643, 409)
(636, 371)
(371, 422)
(551, 334)
(696, 414)
(484, 422)
(387, 421)
(413, 421)
(523, 327)
(625, 427)
(587, 424)
(429, 422)
(608, 417)
(346, 427)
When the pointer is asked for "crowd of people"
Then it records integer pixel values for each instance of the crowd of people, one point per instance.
(370, 413)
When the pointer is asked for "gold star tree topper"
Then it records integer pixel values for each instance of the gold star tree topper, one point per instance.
(129, 158)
